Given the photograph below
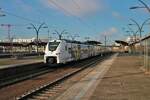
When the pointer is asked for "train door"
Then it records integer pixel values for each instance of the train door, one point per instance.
(63, 53)
(89, 51)
(66, 52)
(76, 51)
(79, 51)
(73, 55)
(72, 51)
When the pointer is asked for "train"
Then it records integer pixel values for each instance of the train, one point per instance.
(63, 51)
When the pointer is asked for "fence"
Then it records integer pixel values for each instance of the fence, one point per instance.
(146, 54)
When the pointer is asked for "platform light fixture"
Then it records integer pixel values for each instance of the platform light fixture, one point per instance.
(144, 6)
(37, 29)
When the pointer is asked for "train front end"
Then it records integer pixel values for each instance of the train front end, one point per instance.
(52, 50)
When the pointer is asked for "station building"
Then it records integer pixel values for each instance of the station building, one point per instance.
(139, 47)
(22, 45)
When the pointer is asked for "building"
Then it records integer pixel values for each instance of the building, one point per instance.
(23, 45)
(24, 40)
(132, 39)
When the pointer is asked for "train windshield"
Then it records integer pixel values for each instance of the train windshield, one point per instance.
(53, 46)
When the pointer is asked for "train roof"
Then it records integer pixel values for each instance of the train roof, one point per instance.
(68, 41)
(78, 42)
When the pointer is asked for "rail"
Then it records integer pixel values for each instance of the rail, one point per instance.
(39, 90)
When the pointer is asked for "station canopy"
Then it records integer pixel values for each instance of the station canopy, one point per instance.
(122, 42)
(93, 42)
(147, 37)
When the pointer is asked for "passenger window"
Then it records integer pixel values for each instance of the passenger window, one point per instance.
(69, 50)
(78, 47)
(66, 48)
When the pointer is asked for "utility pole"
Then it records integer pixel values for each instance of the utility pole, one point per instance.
(87, 38)
(8, 26)
(105, 41)
(49, 36)
(73, 36)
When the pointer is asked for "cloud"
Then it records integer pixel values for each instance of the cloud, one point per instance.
(23, 5)
(75, 7)
(117, 15)
(111, 31)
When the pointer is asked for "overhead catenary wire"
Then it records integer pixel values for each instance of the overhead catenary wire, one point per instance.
(70, 13)
(37, 11)
(79, 8)
(20, 17)
(76, 4)
(59, 6)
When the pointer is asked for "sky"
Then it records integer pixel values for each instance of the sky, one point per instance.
(86, 18)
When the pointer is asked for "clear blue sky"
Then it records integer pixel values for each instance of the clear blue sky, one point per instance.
(87, 18)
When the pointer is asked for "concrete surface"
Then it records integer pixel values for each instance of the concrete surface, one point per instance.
(124, 81)
(7, 63)
(80, 90)
(118, 78)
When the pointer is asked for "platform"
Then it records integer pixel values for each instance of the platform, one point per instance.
(118, 78)
(11, 62)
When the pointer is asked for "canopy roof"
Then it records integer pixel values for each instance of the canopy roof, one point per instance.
(121, 42)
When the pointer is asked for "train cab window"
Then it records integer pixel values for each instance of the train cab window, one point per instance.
(53, 45)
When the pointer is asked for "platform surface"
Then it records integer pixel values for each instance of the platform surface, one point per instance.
(118, 78)
(12, 62)
(79, 91)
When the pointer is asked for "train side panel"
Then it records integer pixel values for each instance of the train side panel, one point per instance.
(61, 51)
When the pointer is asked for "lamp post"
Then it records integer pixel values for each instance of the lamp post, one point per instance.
(74, 36)
(49, 36)
(144, 6)
(1, 14)
(87, 38)
(60, 34)
(140, 27)
(127, 31)
(134, 33)
(37, 29)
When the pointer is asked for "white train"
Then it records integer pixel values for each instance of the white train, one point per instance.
(63, 51)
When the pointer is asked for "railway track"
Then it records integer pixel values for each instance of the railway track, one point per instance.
(35, 85)
(44, 92)
(14, 75)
